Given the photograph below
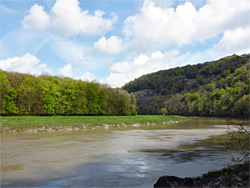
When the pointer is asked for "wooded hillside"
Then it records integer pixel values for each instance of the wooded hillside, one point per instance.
(217, 88)
(24, 94)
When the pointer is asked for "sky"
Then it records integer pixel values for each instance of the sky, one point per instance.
(115, 41)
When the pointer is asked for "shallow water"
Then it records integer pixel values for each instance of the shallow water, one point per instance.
(112, 158)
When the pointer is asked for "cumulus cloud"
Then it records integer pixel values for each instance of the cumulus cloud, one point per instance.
(86, 77)
(113, 45)
(66, 70)
(37, 19)
(123, 72)
(235, 41)
(68, 18)
(155, 25)
(25, 64)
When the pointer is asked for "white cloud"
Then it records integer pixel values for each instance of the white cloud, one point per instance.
(86, 77)
(66, 70)
(113, 45)
(236, 41)
(123, 72)
(70, 51)
(37, 20)
(155, 26)
(68, 18)
(25, 64)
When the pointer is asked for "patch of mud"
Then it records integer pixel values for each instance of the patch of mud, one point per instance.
(12, 167)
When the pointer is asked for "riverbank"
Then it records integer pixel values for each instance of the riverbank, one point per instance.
(34, 124)
(233, 176)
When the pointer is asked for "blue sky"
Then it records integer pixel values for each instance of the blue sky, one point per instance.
(116, 41)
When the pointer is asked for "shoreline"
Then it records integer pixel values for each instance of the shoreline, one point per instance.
(84, 127)
(232, 176)
(34, 124)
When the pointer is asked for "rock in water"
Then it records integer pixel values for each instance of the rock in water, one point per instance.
(173, 181)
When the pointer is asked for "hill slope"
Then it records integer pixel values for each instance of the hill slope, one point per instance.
(217, 88)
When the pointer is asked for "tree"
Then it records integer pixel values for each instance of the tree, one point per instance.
(194, 97)
(11, 108)
(30, 96)
(24, 94)
(164, 111)
(183, 88)
(79, 104)
(4, 90)
(51, 96)
(240, 140)
(133, 105)
(226, 73)
(242, 106)
(93, 98)
(102, 101)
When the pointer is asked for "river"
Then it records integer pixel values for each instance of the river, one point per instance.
(125, 157)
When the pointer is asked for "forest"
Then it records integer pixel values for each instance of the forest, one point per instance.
(217, 88)
(25, 94)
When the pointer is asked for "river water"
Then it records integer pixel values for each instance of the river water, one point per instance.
(122, 157)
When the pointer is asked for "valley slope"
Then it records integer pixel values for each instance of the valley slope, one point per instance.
(216, 88)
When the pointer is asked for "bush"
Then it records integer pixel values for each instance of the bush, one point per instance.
(133, 112)
(164, 111)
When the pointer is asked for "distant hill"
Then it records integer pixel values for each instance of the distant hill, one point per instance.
(217, 88)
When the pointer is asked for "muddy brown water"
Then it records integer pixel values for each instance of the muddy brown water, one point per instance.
(131, 157)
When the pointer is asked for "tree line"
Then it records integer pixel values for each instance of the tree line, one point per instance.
(25, 94)
(217, 88)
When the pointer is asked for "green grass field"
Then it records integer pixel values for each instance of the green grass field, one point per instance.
(22, 123)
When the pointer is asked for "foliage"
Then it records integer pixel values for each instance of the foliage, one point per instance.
(231, 176)
(164, 111)
(10, 102)
(240, 140)
(24, 94)
(4, 90)
(217, 88)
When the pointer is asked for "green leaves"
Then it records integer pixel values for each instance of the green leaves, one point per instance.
(11, 108)
(164, 111)
(226, 73)
(216, 95)
(194, 97)
(209, 89)
(23, 94)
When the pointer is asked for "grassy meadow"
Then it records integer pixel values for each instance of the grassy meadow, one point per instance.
(43, 123)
